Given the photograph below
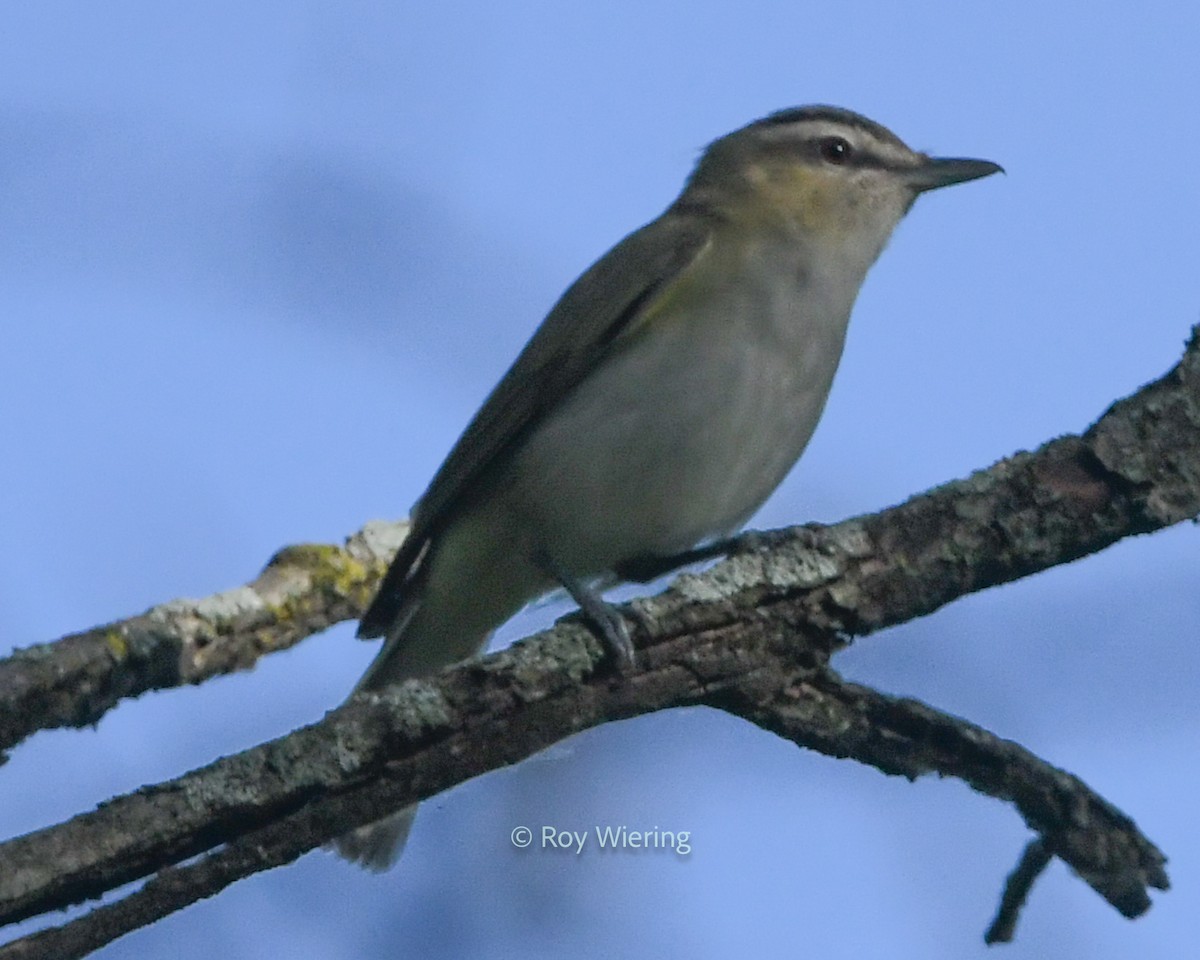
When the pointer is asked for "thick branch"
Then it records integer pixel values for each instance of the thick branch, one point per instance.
(1137, 466)
(814, 708)
(303, 590)
(723, 637)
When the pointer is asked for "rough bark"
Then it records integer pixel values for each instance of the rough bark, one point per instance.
(753, 636)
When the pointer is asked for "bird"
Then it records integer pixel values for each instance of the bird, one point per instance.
(664, 397)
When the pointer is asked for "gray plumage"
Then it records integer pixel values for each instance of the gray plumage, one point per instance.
(664, 397)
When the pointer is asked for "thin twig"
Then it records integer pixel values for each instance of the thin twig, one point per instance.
(1033, 861)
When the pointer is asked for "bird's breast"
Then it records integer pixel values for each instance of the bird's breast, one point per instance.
(688, 425)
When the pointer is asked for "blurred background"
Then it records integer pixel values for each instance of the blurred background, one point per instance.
(259, 263)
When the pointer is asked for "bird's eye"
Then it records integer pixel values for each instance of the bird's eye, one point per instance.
(835, 150)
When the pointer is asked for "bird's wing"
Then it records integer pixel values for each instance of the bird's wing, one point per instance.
(596, 313)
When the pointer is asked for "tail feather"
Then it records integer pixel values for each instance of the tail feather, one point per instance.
(399, 584)
(439, 604)
(419, 646)
(377, 846)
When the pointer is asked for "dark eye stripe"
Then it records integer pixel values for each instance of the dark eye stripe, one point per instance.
(840, 152)
(835, 150)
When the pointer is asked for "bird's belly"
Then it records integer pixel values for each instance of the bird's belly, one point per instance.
(675, 440)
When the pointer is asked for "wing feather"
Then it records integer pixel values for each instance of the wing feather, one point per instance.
(592, 316)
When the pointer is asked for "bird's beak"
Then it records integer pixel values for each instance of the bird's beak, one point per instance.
(937, 172)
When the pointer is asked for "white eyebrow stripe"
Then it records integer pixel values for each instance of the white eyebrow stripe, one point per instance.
(810, 129)
(815, 129)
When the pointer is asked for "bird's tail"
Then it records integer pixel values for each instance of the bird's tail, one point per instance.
(474, 580)
(377, 845)
(417, 648)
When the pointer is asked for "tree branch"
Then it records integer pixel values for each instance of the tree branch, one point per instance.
(752, 636)
(813, 708)
(1035, 858)
(907, 737)
(304, 589)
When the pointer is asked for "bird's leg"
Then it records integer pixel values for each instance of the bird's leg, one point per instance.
(606, 622)
(609, 625)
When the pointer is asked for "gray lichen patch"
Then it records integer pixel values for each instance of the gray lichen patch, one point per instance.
(377, 541)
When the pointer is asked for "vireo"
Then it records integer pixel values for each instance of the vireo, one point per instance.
(665, 396)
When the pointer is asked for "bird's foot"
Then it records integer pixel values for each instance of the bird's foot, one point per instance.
(609, 625)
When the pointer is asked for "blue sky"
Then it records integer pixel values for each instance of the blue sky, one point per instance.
(259, 262)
